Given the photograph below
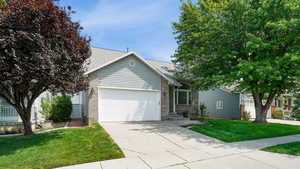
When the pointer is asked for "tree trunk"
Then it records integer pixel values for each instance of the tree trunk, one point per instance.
(26, 118)
(261, 115)
(261, 110)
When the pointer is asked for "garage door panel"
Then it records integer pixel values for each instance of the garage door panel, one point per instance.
(128, 105)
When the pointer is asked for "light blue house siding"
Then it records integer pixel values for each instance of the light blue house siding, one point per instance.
(129, 72)
(220, 103)
(7, 113)
(2, 101)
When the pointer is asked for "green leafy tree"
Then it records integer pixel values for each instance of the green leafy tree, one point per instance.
(41, 49)
(253, 45)
(3, 3)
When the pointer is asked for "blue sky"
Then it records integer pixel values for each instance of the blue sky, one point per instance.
(143, 26)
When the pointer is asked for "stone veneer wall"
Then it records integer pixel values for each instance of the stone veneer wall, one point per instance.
(92, 94)
(195, 100)
(165, 99)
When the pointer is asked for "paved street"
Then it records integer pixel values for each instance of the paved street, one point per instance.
(165, 145)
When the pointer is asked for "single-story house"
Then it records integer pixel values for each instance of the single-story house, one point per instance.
(124, 86)
(225, 103)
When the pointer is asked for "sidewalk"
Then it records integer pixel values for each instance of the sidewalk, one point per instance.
(290, 122)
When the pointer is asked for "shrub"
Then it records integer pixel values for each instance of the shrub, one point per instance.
(296, 115)
(277, 113)
(296, 110)
(46, 108)
(58, 109)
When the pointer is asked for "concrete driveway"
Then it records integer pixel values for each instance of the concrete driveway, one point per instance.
(166, 145)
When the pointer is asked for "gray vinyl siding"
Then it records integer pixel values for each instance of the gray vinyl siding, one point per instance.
(231, 103)
(121, 74)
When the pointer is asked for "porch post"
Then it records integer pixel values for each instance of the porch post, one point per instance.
(174, 100)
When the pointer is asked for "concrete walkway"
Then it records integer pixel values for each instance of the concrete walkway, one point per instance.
(290, 122)
(165, 145)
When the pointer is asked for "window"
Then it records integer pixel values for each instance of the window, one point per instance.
(220, 105)
(183, 97)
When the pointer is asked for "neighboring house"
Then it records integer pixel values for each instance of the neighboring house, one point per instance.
(221, 103)
(8, 115)
(77, 101)
(285, 102)
(225, 103)
(126, 87)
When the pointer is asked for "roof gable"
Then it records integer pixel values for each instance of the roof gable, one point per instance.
(129, 72)
(112, 57)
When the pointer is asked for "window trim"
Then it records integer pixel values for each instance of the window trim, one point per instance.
(220, 105)
(188, 93)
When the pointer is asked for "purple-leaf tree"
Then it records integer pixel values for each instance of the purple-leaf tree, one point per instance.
(40, 49)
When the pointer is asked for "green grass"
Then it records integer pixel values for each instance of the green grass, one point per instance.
(289, 148)
(238, 130)
(57, 148)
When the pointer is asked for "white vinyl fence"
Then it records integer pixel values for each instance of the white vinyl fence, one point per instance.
(250, 107)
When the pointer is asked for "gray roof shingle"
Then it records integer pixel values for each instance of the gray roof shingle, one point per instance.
(165, 68)
(101, 56)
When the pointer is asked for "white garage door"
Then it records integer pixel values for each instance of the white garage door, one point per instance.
(128, 105)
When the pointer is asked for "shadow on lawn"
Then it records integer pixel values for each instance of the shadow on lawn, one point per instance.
(9, 145)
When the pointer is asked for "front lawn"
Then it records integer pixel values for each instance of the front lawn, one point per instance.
(58, 148)
(238, 130)
(289, 148)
